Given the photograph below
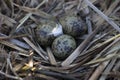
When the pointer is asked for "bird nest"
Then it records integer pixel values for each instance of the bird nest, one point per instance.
(96, 56)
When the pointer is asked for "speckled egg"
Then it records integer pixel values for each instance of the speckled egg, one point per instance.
(73, 26)
(43, 33)
(63, 46)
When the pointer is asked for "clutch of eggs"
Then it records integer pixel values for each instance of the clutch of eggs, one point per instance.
(51, 34)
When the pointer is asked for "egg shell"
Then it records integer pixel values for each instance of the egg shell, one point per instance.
(43, 33)
(72, 25)
(63, 46)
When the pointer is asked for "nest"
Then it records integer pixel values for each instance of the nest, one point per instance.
(95, 58)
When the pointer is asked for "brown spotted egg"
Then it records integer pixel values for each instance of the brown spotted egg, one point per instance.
(63, 46)
(47, 32)
(72, 25)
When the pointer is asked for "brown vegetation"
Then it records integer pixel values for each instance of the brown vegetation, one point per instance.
(95, 58)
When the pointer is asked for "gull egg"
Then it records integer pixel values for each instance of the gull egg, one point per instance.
(47, 32)
(63, 46)
(72, 25)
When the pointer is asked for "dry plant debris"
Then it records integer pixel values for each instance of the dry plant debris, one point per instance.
(97, 56)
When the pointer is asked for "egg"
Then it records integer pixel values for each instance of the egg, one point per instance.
(73, 25)
(63, 46)
(47, 32)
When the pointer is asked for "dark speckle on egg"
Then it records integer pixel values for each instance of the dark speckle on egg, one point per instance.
(73, 26)
(43, 31)
(63, 46)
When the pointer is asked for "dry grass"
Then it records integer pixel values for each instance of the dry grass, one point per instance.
(95, 58)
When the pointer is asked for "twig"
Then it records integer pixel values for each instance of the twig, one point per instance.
(11, 37)
(108, 47)
(103, 16)
(109, 11)
(108, 57)
(34, 47)
(98, 71)
(26, 17)
(84, 5)
(108, 69)
(29, 14)
(13, 46)
(56, 75)
(89, 24)
(116, 10)
(10, 76)
(16, 42)
(116, 68)
(92, 42)
(51, 57)
(10, 65)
